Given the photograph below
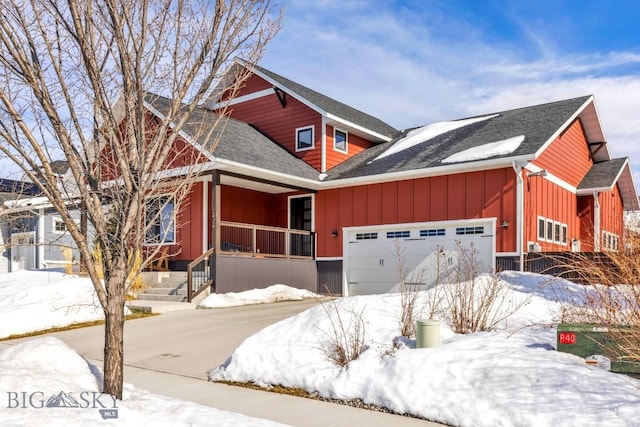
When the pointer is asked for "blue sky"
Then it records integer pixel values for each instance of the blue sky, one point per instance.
(411, 63)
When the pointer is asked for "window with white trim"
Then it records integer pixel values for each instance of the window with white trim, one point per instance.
(340, 140)
(160, 220)
(549, 228)
(552, 231)
(469, 230)
(432, 232)
(304, 138)
(58, 226)
(557, 232)
(398, 234)
(366, 236)
(541, 232)
(610, 241)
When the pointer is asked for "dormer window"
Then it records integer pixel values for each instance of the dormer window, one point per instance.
(340, 140)
(304, 138)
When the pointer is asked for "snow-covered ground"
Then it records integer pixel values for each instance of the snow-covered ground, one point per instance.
(38, 300)
(511, 376)
(273, 293)
(45, 383)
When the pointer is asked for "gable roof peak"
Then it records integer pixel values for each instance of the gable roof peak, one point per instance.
(331, 108)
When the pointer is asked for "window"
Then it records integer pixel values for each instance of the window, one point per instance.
(552, 231)
(304, 138)
(339, 140)
(59, 227)
(469, 230)
(541, 233)
(431, 232)
(160, 221)
(557, 227)
(398, 234)
(366, 236)
(549, 229)
(610, 241)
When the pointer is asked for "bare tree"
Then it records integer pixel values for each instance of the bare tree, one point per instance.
(77, 82)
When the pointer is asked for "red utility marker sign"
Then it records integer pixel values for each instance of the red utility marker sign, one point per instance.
(567, 338)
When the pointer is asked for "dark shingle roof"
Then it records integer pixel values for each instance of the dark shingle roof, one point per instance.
(603, 174)
(332, 106)
(19, 187)
(237, 141)
(536, 123)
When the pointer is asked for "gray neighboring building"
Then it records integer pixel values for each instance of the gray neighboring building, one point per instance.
(32, 234)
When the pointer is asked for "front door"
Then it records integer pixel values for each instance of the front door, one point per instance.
(300, 218)
(23, 251)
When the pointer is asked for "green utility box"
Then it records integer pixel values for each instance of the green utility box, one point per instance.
(595, 344)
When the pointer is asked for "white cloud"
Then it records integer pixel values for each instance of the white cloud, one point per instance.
(400, 68)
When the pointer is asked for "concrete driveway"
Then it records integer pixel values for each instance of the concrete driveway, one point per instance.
(170, 354)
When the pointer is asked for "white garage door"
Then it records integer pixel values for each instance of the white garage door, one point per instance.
(427, 250)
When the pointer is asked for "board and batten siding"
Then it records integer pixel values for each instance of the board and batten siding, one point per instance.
(280, 124)
(189, 226)
(612, 213)
(484, 194)
(567, 157)
(355, 145)
(545, 199)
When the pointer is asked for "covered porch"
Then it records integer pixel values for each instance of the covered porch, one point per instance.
(233, 233)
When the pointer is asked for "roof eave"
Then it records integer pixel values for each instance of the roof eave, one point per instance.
(580, 112)
(503, 162)
(314, 106)
(627, 188)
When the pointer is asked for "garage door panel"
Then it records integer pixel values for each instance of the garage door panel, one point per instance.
(429, 254)
(371, 288)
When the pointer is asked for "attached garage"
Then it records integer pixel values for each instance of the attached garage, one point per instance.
(427, 250)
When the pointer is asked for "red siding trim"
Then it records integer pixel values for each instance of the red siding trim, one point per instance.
(571, 145)
(419, 200)
(189, 227)
(280, 124)
(355, 145)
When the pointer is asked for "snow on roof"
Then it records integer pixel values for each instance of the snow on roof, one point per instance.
(425, 133)
(484, 151)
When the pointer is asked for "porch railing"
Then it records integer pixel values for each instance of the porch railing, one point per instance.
(199, 274)
(259, 240)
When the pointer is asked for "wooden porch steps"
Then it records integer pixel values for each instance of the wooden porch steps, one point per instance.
(172, 288)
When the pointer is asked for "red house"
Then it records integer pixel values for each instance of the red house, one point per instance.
(304, 190)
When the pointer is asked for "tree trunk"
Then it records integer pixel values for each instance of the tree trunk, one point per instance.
(114, 335)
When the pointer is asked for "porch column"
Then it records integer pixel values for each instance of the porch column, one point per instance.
(215, 222)
(596, 221)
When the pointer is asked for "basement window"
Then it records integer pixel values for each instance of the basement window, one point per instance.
(304, 138)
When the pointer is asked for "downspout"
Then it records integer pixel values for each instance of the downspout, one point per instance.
(40, 240)
(596, 221)
(323, 146)
(519, 213)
